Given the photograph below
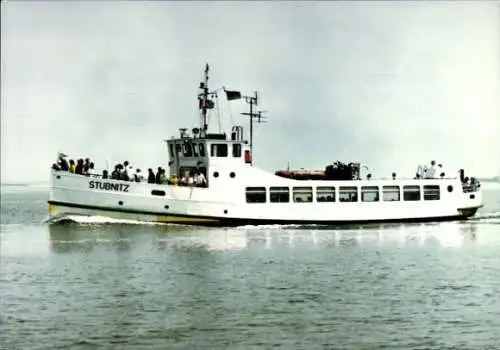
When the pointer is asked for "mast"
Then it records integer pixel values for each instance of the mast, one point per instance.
(251, 125)
(203, 98)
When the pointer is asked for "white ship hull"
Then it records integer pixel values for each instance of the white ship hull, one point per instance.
(226, 205)
(236, 192)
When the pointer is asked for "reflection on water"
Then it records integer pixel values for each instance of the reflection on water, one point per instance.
(72, 237)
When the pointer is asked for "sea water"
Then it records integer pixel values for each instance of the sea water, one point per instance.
(100, 283)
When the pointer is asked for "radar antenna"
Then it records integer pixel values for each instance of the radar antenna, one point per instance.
(252, 100)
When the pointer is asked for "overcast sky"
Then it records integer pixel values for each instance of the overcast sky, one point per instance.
(390, 84)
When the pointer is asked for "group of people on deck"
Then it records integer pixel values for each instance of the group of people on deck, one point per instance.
(430, 172)
(126, 172)
(158, 178)
(81, 167)
(190, 178)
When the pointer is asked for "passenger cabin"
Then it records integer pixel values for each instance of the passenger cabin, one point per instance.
(190, 152)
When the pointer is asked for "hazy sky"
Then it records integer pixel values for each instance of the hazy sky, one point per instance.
(390, 84)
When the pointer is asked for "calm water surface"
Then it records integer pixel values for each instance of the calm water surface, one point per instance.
(92, 284)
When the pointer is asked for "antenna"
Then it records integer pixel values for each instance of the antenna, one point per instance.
(252, 100)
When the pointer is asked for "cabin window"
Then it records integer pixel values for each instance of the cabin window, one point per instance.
(431, 192)
(369, 194)
(218, 150)
(177, 148)
(302, 194)
(411, 193)
(325, 194)
(171, 150)
(256, 194)
(187, 150)
(279, 194)
(195, 152)
(391, 193)
(348, 194)
(158, 193)
(237, 150)
(202, 149)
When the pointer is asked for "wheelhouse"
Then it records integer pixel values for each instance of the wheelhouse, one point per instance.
(191, 152)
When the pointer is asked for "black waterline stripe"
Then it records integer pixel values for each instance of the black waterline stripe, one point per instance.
(249, 221)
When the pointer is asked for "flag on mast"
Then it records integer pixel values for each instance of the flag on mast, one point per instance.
(208, 104)
(232, 95)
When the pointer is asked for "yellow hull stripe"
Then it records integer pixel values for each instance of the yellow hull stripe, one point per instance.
(181, 219)
(52, 209)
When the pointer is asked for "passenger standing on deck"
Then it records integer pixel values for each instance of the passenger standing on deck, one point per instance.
(174, 180)
(79, 167)
(200, 179)
(91, 171)
(130, 172)
(151, 176)
(63, 162)
(127, 172)
(157, 177)
(138, 176)
(72, 167)
(86, 166)
(121, 172)
(163, 178)
(431, 172)
(115, 174)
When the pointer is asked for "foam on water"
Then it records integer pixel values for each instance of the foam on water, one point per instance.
(480, 216)
(489, 217)
(95, 219)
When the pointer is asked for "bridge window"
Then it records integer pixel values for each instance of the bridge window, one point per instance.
(411, 193)
(279, 194)
(302, 194)
(202, 150)
(218, 150)
(158, 193)
(348, 194)
(369, 194)
(325, 194)
(195, 152)
(391, 193)
(236, 150)
(171, 150)
(256, 194)
(431, 192)
(187, 150)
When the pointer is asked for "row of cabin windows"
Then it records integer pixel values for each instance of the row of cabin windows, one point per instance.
(187, 149)
(198, 149)
(221, 150)
(345, 194)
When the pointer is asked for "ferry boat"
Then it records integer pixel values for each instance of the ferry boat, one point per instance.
(239, 193)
